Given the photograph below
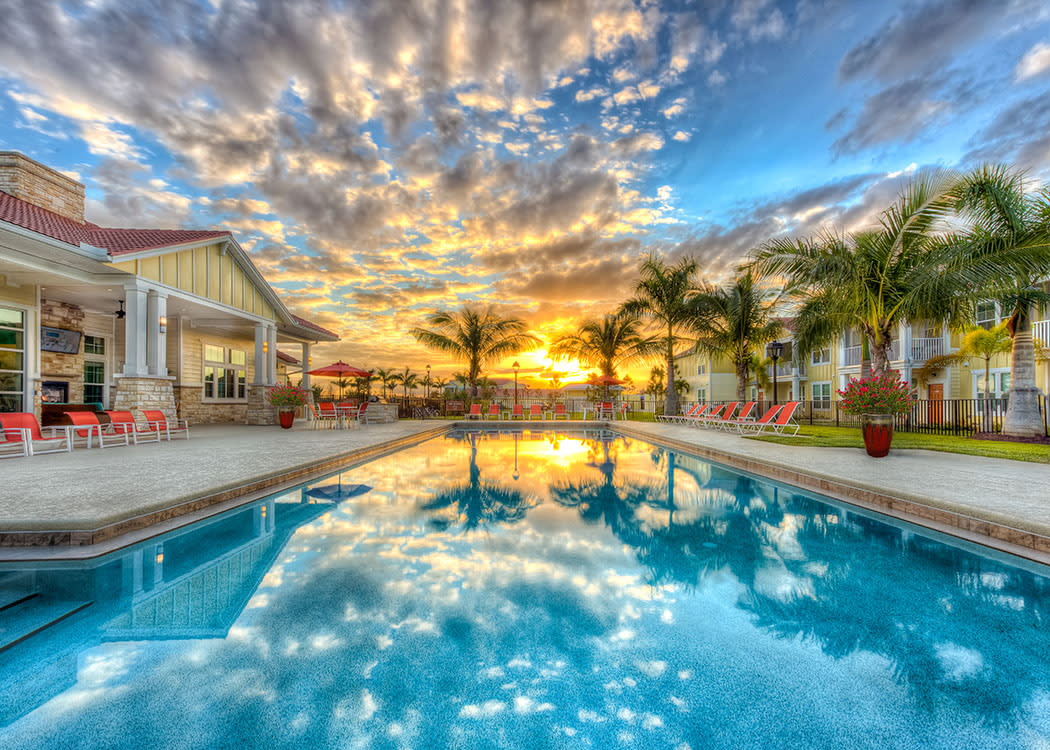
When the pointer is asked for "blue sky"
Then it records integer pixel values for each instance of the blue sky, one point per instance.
(381, 160)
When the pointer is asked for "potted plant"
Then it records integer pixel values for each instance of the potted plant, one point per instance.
(286, 398)
(877, 401)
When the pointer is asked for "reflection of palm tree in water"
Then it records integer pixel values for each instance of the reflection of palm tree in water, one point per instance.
(476, 501)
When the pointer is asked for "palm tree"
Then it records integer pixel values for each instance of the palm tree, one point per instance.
(874, 280)
(342, 383)
(388, 378)
(475, 335)
(1009, 240)
(735, 321)
(662, 294)
(438, 385)
(608, 344)
(408, 380)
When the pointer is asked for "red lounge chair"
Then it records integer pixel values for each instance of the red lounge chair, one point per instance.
(605, 410)
(759, 424)
(785, 420)
(695, 411)
(518, 411)
(493, 410)
(86, 425)
(22, 427)
(559, 411)
(715, 412)
(729, 420)
(167, 427)
(726, 415)
(124, 422)
(536, 410)
(475, 411)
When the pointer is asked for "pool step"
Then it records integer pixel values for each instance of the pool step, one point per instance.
(32, 615)
(15, 588)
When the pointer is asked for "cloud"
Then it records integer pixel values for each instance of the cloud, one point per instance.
(1019, 134)
(758, 19)
(921, 38)
(1036, 62)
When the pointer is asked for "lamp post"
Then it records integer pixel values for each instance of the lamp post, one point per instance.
(515, 366)
(428, 382)
(773, 350)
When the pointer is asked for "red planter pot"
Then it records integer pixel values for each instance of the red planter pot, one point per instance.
(286, 418)
(878, 433)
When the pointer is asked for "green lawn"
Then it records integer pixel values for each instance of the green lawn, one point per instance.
(849, 437)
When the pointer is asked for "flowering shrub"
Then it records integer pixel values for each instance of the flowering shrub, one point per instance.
(887, 395)
(287, 396)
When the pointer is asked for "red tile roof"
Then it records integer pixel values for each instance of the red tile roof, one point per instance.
(115, 241)
(307, 324)
(288, 358)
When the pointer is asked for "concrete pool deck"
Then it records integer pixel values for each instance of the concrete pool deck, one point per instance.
(84, 501)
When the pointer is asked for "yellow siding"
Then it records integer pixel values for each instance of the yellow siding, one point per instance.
(200, 279)
(214, 274)
(128, 265)
(186, 280)
(169, 269)
(22, 295)
(238, 289)
(149, 268)
(193, 354)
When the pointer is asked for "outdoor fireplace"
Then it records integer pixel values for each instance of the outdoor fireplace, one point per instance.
(54, 392)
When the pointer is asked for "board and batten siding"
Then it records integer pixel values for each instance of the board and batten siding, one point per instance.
(193, 355)
(206, 272)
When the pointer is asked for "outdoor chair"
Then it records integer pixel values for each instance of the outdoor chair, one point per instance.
(694, 411)
(346, 409)
(536, 410)
(124, 422)
(86, 425)
(322, 418)
(559, 411)
(715, 412)
(494, 411)
(786, 419)
(21, 428)
(728, 420)
(623, 411)
(167, 427)
(518, 411)
(727, 414)
(605, 410)
(757, 424)
(475, 411)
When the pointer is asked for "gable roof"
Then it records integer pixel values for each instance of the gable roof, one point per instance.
(116, 241)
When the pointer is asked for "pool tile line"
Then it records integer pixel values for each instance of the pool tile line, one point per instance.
(982, 531)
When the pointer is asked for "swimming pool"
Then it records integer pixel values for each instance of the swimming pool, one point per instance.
(533, 590)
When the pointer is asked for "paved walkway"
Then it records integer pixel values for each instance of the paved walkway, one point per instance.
(1013, 493)
(88, 489)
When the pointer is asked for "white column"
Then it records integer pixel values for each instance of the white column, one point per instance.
(135, 332)
(905, 352)
(305, 385)
(271, 355)
(260, 356)
(156, 340)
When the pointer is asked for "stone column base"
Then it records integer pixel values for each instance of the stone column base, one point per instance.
(137, 393)
(259, 409)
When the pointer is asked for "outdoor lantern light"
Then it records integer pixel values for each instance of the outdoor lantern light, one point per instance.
(515, 366)
(773, 350)
(266, 347)
(163, 323)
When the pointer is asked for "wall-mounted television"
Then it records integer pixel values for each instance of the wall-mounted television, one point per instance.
(59, 340)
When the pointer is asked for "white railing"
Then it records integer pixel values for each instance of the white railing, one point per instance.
(785, 369)
(1041, 331)
(923, 349)
(895, 351)
(851, 356)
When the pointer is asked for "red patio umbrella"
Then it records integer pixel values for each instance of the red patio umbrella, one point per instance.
(340, 369)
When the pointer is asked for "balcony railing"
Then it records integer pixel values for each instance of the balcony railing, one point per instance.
(786, 369)
(851, 356)
(923, 349)
(1041, 331)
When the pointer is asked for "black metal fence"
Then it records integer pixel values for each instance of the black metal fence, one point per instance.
(950, 416)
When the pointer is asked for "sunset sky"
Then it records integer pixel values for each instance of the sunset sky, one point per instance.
(383, 159)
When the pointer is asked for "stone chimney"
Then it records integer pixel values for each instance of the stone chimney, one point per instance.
(42, 186)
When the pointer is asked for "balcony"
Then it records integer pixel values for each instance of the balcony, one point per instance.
(924, 349)
(1041, 331)
(851, 356)
(786, 369)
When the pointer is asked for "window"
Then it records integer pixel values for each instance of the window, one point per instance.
(987, 314)
(821, 356)
(224, 373)
(701, 395)
(1000, 383)
(94, 345)
(821, 393)
(94, 382)
(701, 367)
(12, 359)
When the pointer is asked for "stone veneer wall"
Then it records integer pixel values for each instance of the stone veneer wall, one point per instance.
(191, 408)
(135, 394)
(64, 367)
(259, 409)
(42, 186)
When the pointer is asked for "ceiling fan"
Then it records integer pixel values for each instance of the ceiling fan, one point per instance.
(120, 313)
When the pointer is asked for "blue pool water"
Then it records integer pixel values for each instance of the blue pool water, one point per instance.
(531, 591)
